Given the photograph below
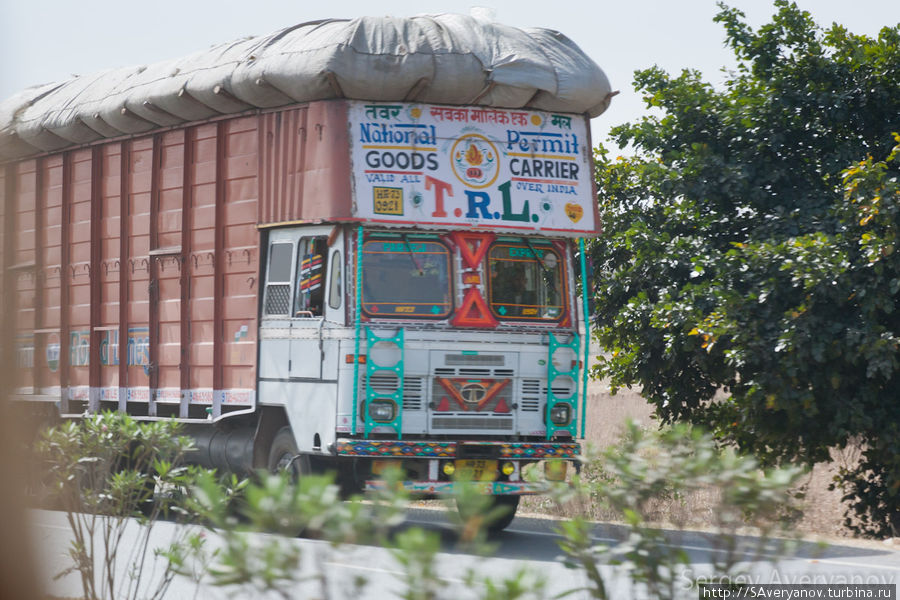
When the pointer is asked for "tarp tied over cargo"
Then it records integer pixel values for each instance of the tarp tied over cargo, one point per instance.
(443, 59)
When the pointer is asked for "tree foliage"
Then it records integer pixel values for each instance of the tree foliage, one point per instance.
(749, 248)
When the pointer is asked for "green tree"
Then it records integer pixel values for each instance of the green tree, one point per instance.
(748, 248)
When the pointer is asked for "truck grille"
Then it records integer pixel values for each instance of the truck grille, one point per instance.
(531, 395)
(387, 383)
(469, 395)
(489, 360)
(472, 423)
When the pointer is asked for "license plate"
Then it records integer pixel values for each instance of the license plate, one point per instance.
(477, 470)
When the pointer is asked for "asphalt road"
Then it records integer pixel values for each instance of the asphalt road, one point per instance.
(530, 543)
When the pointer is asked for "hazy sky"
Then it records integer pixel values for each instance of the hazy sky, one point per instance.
(49, 40)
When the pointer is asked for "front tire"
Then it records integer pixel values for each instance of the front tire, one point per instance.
(511, 504)
(284, 456)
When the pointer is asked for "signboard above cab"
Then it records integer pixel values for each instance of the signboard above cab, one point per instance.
(453, 167)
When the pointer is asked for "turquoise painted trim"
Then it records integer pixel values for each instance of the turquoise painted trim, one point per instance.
(371, 368)
(359, 245)
(587, 337)
(552, 399)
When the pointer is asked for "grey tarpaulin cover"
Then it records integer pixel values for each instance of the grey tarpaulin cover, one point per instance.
(443, 59)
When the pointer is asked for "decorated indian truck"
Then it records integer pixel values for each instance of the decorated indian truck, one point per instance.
(315, 268)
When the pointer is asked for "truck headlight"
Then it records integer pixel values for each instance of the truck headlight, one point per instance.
(561, 414)
(382, 411)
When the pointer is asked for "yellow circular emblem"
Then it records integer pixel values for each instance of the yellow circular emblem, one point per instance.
(475, 161)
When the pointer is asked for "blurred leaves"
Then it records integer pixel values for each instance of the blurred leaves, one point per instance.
(645, 466)
(105, 471)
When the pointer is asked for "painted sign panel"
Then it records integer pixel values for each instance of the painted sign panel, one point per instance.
(500, 169)
(137, 349)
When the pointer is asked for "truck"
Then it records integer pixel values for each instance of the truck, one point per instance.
(312, 261)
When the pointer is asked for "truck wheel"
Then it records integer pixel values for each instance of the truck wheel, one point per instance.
(284, 456)
(510, 503)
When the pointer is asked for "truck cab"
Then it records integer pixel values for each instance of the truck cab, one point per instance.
(436, 351)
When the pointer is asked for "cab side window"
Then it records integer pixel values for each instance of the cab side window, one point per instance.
(312, 256)
(278, 282)
(334, 294)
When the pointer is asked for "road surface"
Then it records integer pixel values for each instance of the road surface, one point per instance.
(530, 543)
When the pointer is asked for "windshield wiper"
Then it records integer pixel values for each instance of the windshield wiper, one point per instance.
(412, 255)
(547, 280)
(535, 255)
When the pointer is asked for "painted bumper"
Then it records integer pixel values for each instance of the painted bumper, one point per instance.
(447, 488)
(442, 449)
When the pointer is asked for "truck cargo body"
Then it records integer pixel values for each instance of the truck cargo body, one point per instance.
(391, 281)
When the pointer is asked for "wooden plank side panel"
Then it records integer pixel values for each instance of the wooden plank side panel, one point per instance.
(137, 276)
(240, 267)
(200, 262)
(135, 270)
(22, 274)
(51, 344)
(77, 277)
(110, 348)
(167, 266)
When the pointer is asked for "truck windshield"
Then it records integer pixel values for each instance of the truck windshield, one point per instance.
(406, 278)
(526, 282)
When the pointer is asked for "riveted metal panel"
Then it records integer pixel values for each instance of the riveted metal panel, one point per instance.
(305, 164)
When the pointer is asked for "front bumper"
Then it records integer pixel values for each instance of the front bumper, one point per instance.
(448, 488)
(429, 482)
(442, 449)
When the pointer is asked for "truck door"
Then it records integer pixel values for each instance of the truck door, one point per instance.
(303, 304)
(308, 316)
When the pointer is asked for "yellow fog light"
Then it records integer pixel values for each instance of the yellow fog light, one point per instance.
(449, 468)
(508, 468)
(555, 470)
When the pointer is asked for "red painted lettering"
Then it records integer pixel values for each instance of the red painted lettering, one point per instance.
(439, 188)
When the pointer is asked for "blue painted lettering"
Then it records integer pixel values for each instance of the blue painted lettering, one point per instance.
(479, 202)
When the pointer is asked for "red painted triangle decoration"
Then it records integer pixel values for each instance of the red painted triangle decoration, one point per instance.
(473, 312)
(472, 255)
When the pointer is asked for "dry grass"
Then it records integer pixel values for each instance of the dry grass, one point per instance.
(823, 512)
